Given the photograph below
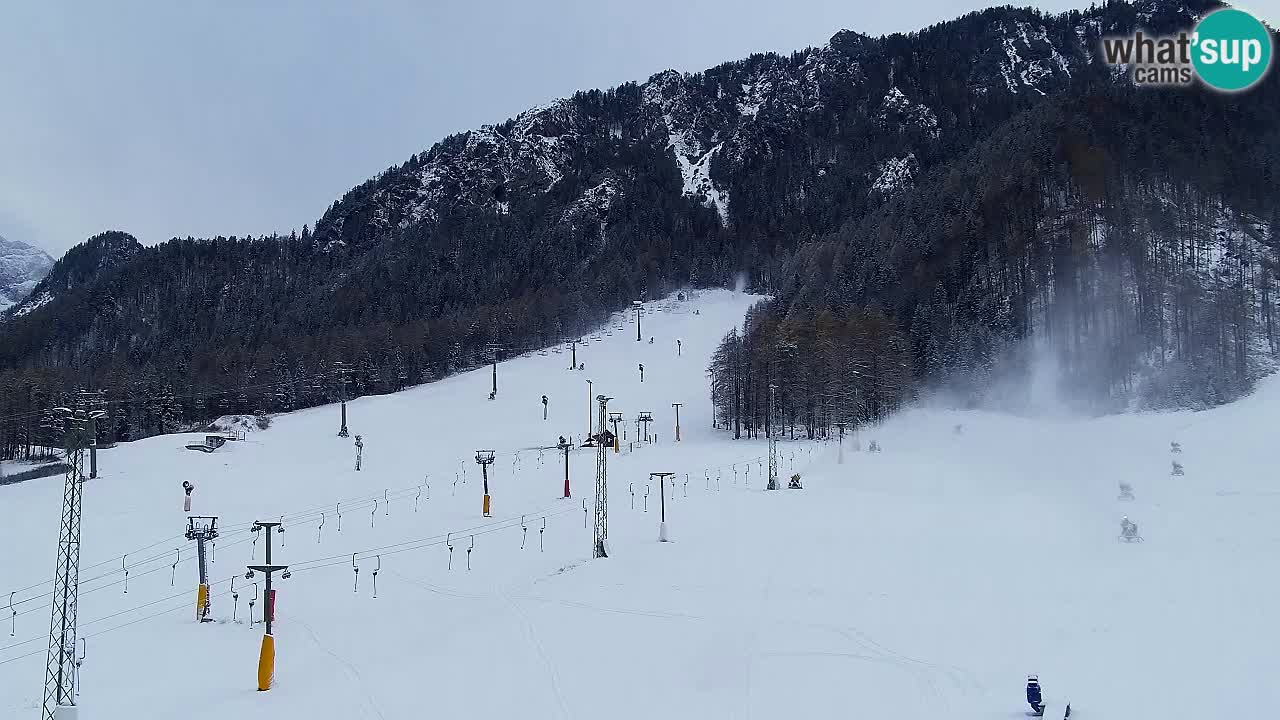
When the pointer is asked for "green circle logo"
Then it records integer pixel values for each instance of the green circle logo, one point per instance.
(1231, 50)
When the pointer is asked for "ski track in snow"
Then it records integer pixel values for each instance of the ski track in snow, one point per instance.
(531, 634)
(350, 670)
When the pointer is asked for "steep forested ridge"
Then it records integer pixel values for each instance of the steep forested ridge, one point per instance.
(915, 203)
(1106, 233)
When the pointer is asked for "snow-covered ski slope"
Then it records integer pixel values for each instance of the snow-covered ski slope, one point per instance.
(924, 581)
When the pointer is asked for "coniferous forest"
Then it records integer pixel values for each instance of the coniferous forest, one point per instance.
(931, 212)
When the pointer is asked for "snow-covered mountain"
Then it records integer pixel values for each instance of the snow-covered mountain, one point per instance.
(716, 127)
(22, 267)
(941, 178)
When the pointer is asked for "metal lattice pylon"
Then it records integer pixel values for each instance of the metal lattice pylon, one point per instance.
(599, 540)
(60, 667)
(773, 463)
(773, 448)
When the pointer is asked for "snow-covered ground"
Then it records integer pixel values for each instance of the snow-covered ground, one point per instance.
(924, 581)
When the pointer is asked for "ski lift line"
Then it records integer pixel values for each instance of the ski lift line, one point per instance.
(111, 561)
(128, 573)
(121, 570)
(355, 503)
(84, 592)
(375, 499)
(419, 544)
(476, 529)
(28, 415)
(480, 529)
(303, 516)
(241, 388)
(314, 513)
(111, 629)
(192, 396)
(170, 598)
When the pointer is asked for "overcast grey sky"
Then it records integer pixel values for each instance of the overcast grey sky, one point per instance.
(247, 117)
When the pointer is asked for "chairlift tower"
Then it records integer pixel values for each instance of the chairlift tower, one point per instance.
(645, 417)
(267, 656)
(342, 396)
(494, 354)
(639, 306)
(484, 458)
(94, 403)
(677, 407)
(202, 529)
(600, 537)
(565, 446)
(60, 665)
(614, 419)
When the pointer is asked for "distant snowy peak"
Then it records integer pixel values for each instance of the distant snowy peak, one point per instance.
(22, 267)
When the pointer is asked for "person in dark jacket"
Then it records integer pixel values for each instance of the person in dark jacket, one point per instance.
(1034, 698)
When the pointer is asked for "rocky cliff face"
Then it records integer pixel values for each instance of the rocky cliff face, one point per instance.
(716, 127)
